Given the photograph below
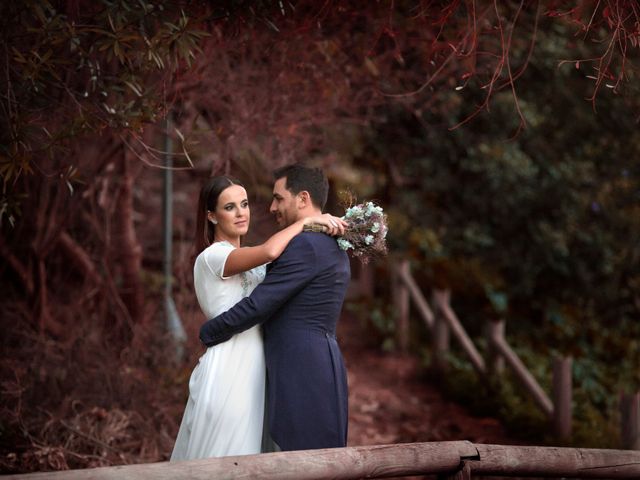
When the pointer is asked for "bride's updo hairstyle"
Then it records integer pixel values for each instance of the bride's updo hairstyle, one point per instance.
(205, 230)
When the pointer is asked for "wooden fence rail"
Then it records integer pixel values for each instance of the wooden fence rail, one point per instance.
(524, 376)
(449, 460)
(442, 299)
(443, 321)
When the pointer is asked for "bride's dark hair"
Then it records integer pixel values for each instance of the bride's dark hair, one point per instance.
(205, 230)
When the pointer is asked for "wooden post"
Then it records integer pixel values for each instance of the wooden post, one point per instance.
(401, 304)
(562, 397)
(630, 420)
(495, 333)
(440, 337)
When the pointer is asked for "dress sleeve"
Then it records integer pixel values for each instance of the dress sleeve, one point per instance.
(215, 257)
(289, 274)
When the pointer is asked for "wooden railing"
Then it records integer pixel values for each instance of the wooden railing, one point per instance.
(459, 460)
(443, 323)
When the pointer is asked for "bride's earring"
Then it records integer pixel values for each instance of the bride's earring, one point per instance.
(212, 220)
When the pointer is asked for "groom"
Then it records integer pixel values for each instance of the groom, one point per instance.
(299, 303)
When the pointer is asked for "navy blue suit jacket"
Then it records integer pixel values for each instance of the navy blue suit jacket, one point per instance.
(299, 303)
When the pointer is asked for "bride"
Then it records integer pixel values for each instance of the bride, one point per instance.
(224, 412)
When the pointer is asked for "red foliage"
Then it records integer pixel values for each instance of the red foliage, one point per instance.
(277, 85)
(616, 25)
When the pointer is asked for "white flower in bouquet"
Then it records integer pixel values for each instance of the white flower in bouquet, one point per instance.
(366, 232)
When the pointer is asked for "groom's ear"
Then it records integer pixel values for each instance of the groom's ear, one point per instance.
(304, 199)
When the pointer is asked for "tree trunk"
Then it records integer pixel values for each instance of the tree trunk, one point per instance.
(79, 257)
(127, 250)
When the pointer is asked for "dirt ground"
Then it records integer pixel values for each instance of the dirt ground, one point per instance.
(390, 402)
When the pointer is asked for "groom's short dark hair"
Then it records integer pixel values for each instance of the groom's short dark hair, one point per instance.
(299, 178)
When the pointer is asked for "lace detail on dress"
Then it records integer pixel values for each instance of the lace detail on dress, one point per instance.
(244, 282)
(249, 280)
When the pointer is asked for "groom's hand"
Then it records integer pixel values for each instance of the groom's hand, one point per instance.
(209, 338)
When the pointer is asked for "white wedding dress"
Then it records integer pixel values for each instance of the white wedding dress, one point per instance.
(225, 409)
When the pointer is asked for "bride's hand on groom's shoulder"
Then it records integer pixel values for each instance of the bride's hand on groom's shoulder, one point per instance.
(331, 225)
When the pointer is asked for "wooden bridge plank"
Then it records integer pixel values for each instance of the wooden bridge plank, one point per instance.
(377, 461)
(556, 462)
(456, 460)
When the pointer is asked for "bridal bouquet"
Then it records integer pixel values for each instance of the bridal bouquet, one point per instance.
(366, 232)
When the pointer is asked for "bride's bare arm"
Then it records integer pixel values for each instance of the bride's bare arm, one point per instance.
(246, 258)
